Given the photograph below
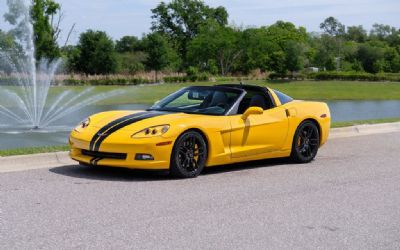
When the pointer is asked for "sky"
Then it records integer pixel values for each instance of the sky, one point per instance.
(133, 17)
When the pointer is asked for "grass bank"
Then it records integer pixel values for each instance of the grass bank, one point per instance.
(306, 90)
(34, 150)
(49, 149)
(360, 122)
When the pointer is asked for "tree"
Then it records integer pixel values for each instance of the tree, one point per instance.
(11, 49)
(294, 53)
(180, 20)
(350, 61)
(382, 31)
(215, 43)
(46, 31)
(256, 50)
(6, 41)
(356, 34)
(333, 27)
(45, 25)
(335, 32)
(281, 32)
(160, 54)
(71, 55)
(371, 58)
(127, 44)
(278, 62)
(393, 39)
(96, 53)
(392, 60)
(326, 50)
(284, 40)
(131, 62)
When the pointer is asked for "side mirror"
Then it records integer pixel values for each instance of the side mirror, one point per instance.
(252, 111)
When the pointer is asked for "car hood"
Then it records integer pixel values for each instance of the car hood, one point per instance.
(133, 120)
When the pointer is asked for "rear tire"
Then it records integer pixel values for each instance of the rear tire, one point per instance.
(189, 155)
(305, 142)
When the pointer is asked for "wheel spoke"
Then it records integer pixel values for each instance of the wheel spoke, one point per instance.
(199, 152)
(310, 132)
(308, 151)
(303, 135)
(186, 162)
(182, 150)
(314, 142)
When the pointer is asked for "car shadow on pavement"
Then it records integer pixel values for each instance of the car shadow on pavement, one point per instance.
(123, 174)
(247, 165)
(109, 173)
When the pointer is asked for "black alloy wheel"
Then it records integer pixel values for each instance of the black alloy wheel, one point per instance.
(189, 155)
(305, 142)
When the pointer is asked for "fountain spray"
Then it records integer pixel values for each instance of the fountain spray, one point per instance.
(26, 102)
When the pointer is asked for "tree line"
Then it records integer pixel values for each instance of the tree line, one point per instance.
(190, 36)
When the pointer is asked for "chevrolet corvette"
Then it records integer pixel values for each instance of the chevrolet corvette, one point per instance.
(204, 126)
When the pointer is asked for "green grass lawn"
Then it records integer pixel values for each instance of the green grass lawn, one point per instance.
(305, 90)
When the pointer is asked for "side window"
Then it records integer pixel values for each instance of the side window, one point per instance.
(282, 97)
(254, 98)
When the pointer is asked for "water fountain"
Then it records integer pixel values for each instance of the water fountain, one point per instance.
(26, 103)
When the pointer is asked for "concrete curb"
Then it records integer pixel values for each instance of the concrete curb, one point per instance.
(58, 159)
(35, 161)
(365, 129)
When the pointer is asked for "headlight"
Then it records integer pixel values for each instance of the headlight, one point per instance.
(83, 124)
(151, 131)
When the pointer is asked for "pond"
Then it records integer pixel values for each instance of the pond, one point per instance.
(340, 111)
(363, 110)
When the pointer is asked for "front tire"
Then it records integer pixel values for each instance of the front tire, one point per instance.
(189, 155)
(305, 142)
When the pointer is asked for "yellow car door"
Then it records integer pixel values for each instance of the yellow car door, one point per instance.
(258, 133)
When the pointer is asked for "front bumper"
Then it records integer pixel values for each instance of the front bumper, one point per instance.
(128, 147)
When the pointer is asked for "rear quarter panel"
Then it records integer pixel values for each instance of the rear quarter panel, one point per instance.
(299, 111)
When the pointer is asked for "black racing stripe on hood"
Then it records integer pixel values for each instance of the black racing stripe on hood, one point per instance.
(109, 125)
(118, 124)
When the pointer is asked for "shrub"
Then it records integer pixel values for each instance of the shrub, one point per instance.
(202, 77)
(353, 76)
(116, 81)
(294, 76)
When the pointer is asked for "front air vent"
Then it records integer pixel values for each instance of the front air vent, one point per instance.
(104, 155)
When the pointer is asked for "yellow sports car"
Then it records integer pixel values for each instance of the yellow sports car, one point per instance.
(204, 126)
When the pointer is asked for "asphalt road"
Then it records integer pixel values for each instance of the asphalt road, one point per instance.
(348, 198)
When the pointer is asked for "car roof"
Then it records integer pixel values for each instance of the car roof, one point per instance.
(243, 86)
(249, 87)
(219, 87)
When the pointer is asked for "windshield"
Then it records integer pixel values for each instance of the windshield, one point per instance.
(200, 100)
